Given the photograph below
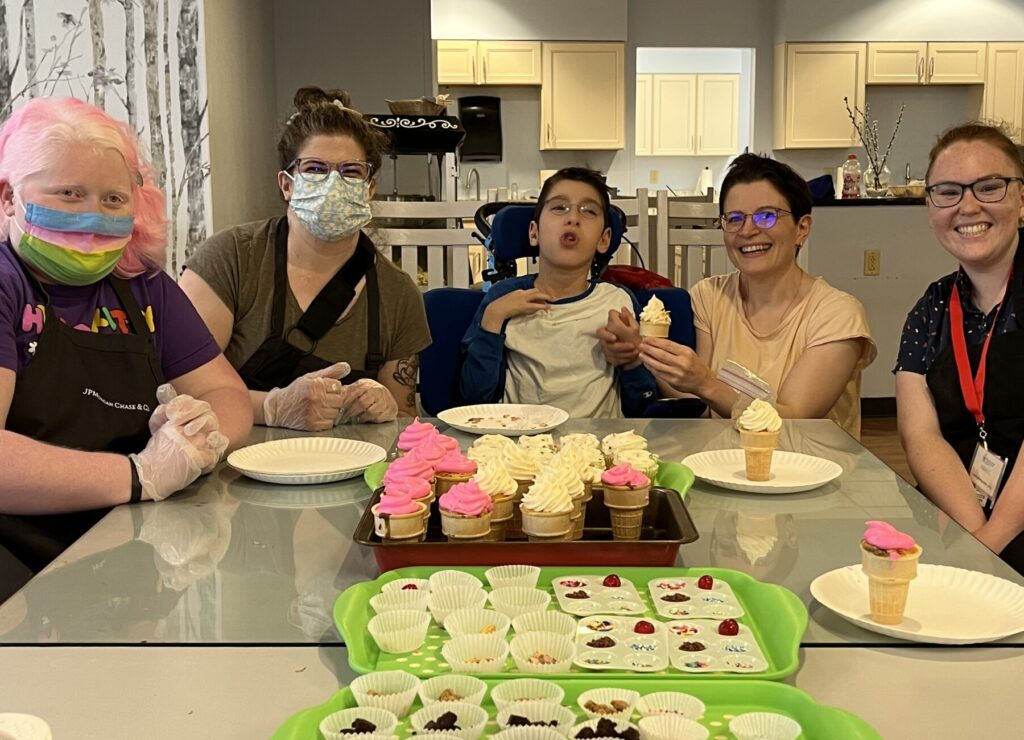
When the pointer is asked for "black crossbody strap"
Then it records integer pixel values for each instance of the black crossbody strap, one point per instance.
(331, 302)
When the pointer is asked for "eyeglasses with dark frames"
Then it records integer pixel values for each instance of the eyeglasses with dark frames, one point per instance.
(318, 170)
(986, 190)
(588, 210)
(763, 218)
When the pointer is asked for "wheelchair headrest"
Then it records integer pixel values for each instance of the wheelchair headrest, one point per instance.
(508, 233)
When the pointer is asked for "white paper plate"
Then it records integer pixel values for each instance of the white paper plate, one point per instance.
(24, 727)
(949, 606)
(791, 471)
(302, 460)
(511, 419)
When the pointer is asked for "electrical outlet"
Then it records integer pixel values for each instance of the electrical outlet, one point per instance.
(653, 177)
(872, 263)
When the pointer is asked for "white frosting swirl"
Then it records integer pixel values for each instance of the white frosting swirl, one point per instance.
(612, 444)
(494, 480)
(760, 416)
(643, 460)
(654, 312)
(568, 474)
(548, 494)
(581, 439)
(520, 462)
(488, 447)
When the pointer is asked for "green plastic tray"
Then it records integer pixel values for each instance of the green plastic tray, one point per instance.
(774, 614)
(670, 475)
(722, 699)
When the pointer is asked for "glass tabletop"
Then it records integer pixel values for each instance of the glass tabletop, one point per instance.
(233, 561)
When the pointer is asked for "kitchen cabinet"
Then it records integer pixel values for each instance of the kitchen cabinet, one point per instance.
(687, 114)
(810, 82)
(1004, 87)
(926, 63)
(582, 97)
(488, 62)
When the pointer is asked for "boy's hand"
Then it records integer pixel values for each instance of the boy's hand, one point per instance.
(675, 364)
(516, 303)
(620, 339)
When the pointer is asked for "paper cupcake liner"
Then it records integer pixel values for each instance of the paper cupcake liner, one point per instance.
(471, 719)
(394, 691)
(764, 726)
(671, 727)
(387, 601)
(508, 576)
(332, 723)
(514, 691)
(556, 622)
(477, 622)
(527, 733)
(446, 599)
(454, 578)
(591, 724)
(538, 711)
(462, 652)
(421, 584)
(607, 696)
(399, 631)
(670, 702)
(470, 688)
(559, 647)
(517, 600)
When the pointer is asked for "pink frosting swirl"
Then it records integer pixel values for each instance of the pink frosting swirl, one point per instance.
(625, 476)
(394, 504)
(415, 433)
(466, 499)
(448, 443)
(884, 536)
(455, 462)
(407, 486)
(409, 466)
(431, 450)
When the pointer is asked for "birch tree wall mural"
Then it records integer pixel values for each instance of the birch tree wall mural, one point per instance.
(154, 80)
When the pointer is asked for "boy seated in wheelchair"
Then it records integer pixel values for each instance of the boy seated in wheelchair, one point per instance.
(534, 338)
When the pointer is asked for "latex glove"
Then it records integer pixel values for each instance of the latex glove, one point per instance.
(309, 403)
(185, 443)
(368, 401)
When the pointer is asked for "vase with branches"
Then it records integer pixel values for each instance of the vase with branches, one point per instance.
(867, 131)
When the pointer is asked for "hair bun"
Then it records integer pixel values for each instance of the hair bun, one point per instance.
(312, 97)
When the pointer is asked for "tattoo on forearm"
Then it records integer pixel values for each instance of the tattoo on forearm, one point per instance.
(405, 374)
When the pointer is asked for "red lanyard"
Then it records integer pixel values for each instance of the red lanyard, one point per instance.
(973, 390)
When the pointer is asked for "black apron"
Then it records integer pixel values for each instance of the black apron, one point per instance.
(1004, 401)
(88, 391)
(278, 362)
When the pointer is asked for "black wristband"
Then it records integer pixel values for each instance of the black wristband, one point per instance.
(136, 493)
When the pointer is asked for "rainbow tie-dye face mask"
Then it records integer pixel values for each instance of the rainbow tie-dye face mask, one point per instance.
(73, 248)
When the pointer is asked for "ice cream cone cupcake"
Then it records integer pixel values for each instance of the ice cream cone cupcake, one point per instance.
(759, 436)
(453, 468)
(626, 494)
(654, 319)
(488, 447)
(522, 464)
(413, 434)
(416, 489)
(495, 481)
(889, 559)
(643, 460)
(396, 517)
(613, 444)
(546, 510)
(410, 466)
(465, 512)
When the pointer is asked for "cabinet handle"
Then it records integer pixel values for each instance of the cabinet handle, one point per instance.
(931, 68)
(548, 137)
(920, 69)
(475, 81)
(484, 63)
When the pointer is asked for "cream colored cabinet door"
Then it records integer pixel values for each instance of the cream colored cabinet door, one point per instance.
(810, 83)
(897, 63)
(1004, 87)
(642, 120)
(582, 99)
(718, 114)
(509, 62)
(956, 63)
(456, 63)
(673, 115)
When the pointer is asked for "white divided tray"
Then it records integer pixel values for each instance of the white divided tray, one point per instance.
(718, 653)
(598, 598)
(612, 643)
(674, 598)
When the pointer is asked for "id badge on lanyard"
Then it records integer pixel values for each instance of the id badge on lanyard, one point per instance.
(987, 468)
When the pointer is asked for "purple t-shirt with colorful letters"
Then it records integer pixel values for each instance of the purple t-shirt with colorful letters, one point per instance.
(181, 339)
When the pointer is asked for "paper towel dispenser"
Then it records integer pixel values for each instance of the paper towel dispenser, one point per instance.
(481, 118)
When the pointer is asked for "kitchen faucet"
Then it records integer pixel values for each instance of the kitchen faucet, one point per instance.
(469, 178)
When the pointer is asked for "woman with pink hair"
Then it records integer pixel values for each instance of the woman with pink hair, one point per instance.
(91, 330)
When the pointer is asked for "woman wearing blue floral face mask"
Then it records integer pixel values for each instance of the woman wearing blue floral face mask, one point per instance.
(303, 302)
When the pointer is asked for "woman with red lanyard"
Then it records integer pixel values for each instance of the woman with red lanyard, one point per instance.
(111, 389)
(961, 411)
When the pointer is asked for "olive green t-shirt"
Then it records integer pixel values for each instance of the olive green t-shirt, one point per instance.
(238, 264)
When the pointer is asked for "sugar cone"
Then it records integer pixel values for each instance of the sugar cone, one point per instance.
(459, 527)
(515, 524)
(398, 526)
(889, 583)
(626, 506)
(443, 482)
(546, 526)
(650, 329)
(757, 452)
